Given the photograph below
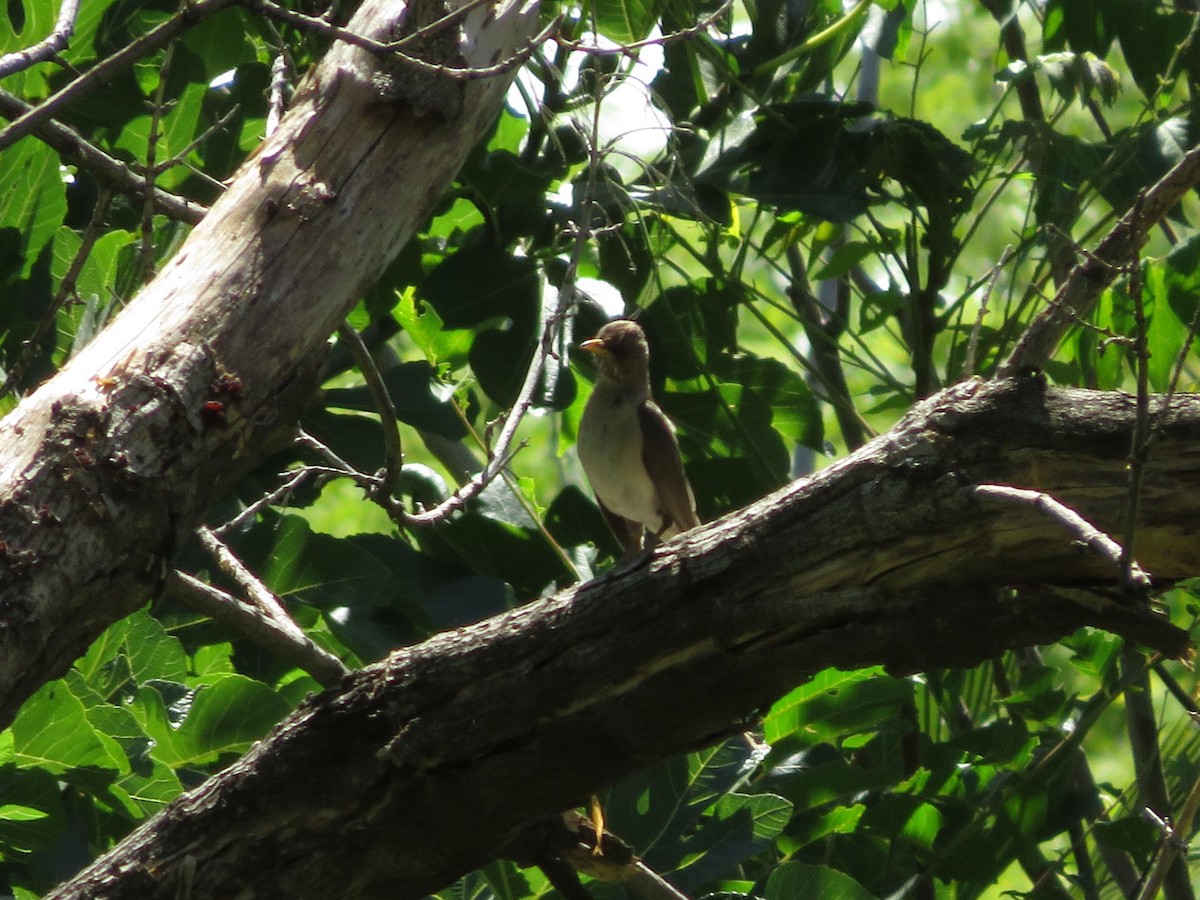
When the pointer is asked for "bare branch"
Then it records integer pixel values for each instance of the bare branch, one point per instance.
(157, 37)
(629, 49)
(257, 626)
(53, 43)
(1087, 533)
(393, 450)
(263, 597)
(108, 171)
(391, 51)
(291, 481)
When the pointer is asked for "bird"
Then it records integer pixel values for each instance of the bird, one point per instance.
(627, 445)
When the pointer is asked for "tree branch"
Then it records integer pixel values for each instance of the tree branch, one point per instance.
(111, 464)
(864, 564)
(1078, 294)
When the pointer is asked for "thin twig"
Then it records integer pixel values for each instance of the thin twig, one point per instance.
(257, 626)
(629, 49)
(180, 158)
(151, 169)
(291, 482)
(109, 171)
(1138, 449)
(191, 15)
(968, 368)
(823, 328)
(1175, 689)
(389, 50)
(55, 42)
(259, 593)
(1152, 791)
(393, 449)
(1173, 843)
(336, 463)
(1087, 533)
(533, 375)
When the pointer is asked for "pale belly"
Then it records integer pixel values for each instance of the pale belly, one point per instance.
(610, 449)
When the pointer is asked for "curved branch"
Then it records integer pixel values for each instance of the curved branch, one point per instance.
(55, 42)
(504, 723)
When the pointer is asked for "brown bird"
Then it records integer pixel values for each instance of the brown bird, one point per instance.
(627, 444)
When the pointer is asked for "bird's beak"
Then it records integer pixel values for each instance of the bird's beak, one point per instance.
(594, 346)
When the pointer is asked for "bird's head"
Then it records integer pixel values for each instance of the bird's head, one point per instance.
(621, 353)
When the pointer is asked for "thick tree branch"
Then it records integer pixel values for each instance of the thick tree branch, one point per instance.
(427, 765)
(111, 464)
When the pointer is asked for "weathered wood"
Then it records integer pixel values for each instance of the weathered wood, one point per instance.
(113, 461)
(427, 765)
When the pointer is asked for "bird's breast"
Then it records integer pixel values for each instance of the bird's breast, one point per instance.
(610, 449)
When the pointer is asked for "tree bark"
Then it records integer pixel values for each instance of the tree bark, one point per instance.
(427, 765)
(111, 463)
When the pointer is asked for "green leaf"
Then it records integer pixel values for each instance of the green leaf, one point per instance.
(39, 792)
(130, 652)
(834, 704)
(625, 21)
(738, 827)
(52, 732)
(33, 199)
(794, 879)
(225, 717)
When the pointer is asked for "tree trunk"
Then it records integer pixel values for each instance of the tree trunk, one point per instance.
(111, 463)
(429, 764)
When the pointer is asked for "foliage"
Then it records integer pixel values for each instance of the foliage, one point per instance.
(808, 258)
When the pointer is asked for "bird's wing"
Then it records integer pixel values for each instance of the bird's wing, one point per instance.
(660, 456)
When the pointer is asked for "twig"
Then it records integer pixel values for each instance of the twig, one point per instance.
(192, 14)
(108, 171)
(1087, 533)
(292, 481)
(1089, 277)
(968, 368)
(1175, 689)
(151, 170)
(66, 290)
(1138, 449)
(257, 626)
(393, 450)
(55, 42)
(629, 49)
(1173, 843)
(390, 51)
(259, 593)
(336, 463)
(180, 158)
(582, 233)
(823, 332)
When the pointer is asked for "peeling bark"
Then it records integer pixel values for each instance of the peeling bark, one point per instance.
(429, 764)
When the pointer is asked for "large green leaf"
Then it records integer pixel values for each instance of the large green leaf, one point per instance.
(52, 732)
(793, 879)
(224, 717)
